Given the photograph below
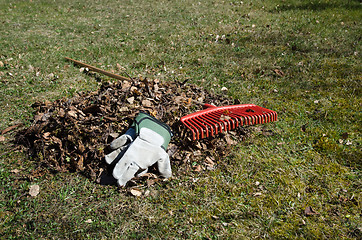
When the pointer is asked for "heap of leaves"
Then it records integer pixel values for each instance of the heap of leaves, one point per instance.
(74, 134)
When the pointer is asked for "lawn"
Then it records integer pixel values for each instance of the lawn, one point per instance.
(299, 177)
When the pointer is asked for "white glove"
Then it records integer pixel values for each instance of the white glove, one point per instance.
(119, 145)
(142, 153)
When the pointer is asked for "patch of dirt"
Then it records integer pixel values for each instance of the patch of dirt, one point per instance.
(74, 134)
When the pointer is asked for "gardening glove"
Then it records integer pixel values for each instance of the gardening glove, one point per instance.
(148, 148)
(119, 145)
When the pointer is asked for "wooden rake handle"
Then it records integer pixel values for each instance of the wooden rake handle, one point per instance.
(95, 69)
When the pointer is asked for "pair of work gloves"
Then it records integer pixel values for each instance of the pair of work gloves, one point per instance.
(143, 145)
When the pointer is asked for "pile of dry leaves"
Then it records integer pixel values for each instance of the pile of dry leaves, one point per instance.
(74, 134)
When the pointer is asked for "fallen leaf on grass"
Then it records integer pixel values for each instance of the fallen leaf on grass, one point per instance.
(119, 67)
(209, 163)
(8, 129)
(136, 192)
(150, 182)
(229, 140)
(198, 168)
(257, 194)
(89, 221)
(267, 133)
(2, 138)
(310, 212)
(34, 190)
(15, 171)
(280, 73)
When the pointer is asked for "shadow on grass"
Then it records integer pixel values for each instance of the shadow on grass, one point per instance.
(320, 6)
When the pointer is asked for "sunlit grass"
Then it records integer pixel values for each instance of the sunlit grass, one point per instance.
(299, 58)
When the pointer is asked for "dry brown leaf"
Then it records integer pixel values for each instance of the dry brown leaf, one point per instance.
(130, 100)
(46, 135)
(8, 129)
(136, 192)
(72, 114)
(15, 171)
(150, 182)
(198, 168)
(229, 140)
(179, 99)
(153, 113)
(225, 118)
(147, 103)
(149, 175)
(34, 190)
(209, 161)
(2, 138)
(119, 67)
(310, 212)
(197, 153)
(124, 109)
(137, 92)
(126, 85)
(280, 73)
(267, 133)
(80, 163)
(61, 112)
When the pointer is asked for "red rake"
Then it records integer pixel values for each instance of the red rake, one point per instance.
(214, 120)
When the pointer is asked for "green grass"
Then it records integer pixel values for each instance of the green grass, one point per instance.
(263, 188)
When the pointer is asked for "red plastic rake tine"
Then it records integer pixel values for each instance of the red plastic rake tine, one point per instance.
(195, 127)
(210, 126)
(191, 129)
(270, 117)
(214, 123)
(205, 125)
(210, 121)
(201, 128)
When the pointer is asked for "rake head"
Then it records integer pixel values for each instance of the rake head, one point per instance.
(214, 120)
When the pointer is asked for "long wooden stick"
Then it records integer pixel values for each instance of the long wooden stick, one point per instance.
(95, 69)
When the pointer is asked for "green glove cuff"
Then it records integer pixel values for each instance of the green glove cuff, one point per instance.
(144, 120)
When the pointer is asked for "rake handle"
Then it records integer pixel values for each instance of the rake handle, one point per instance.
(95, 69)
